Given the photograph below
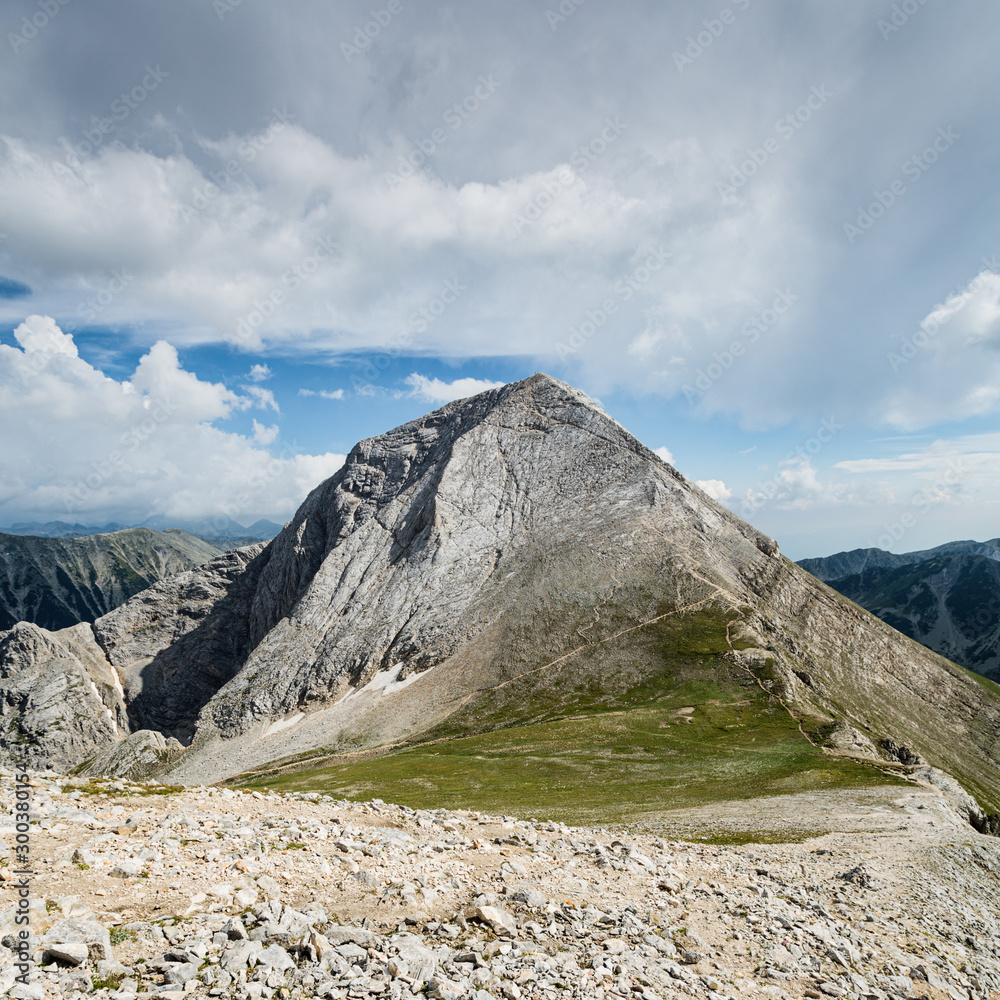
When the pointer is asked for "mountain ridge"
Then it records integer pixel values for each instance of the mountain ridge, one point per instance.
(224, 530)
(60, 582)
(947, 598)
(854, 561)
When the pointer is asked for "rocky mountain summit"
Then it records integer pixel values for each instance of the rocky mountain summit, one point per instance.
(145, 891)
(512, 558)
(59, 582)
(947, 598)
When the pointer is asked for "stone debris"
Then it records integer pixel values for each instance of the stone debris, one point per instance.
(859, 876)
(211, 892)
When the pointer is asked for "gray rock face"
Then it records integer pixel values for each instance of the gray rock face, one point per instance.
(175, 644)
(58, 696)
(481, 564)
(408, 553)
(135, 756)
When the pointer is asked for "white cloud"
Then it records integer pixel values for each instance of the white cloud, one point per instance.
(666, 454)
(309, 248)
(80, 445)
(645, 345)
(949, 368)
(206, 259)
(796, 485)
(265, 435)
(962, 469)
(433, 390)
(264, 398)
(160, 378)
(715, 488)
(259, 373)
(924, 494)
(41, 335)
(323, 393)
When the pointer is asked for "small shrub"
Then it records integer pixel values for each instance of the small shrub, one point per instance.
(120, 934)
(111, 982)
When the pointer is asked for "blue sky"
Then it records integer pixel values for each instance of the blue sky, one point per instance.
(234, 239)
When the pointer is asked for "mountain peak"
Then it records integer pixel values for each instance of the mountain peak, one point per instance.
(515, 556)
(547, 393)
(539, 404)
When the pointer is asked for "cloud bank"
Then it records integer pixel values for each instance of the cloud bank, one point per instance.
(82, 446)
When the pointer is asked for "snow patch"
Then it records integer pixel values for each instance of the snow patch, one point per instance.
(386, 682)
(107, 711)
(276, 727)
(117, 681)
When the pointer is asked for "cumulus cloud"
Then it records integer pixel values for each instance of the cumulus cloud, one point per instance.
(259, 373)
(795, 485)
(434, 390)
(40, 335)
(79, 444)
(532, 245)
(263, 435)
(666, 454)
(715, 488)
(323, 393)
(264, 398)
(308, 248)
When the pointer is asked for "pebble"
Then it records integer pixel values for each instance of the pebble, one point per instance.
(461, 906)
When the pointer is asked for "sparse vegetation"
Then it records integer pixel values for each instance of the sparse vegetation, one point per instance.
(96, 788)
(111, 982)
(611, 766)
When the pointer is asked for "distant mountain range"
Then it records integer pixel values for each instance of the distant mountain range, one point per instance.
(59, 582)
(231, 533)
(947, 598)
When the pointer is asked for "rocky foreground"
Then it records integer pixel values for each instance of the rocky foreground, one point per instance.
(143, 890)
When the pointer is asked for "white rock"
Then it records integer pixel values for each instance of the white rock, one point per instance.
(67, 954)
(500, 921)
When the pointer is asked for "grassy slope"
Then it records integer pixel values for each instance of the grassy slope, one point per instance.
(606, 741)
(611, 767)
(937, 738)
